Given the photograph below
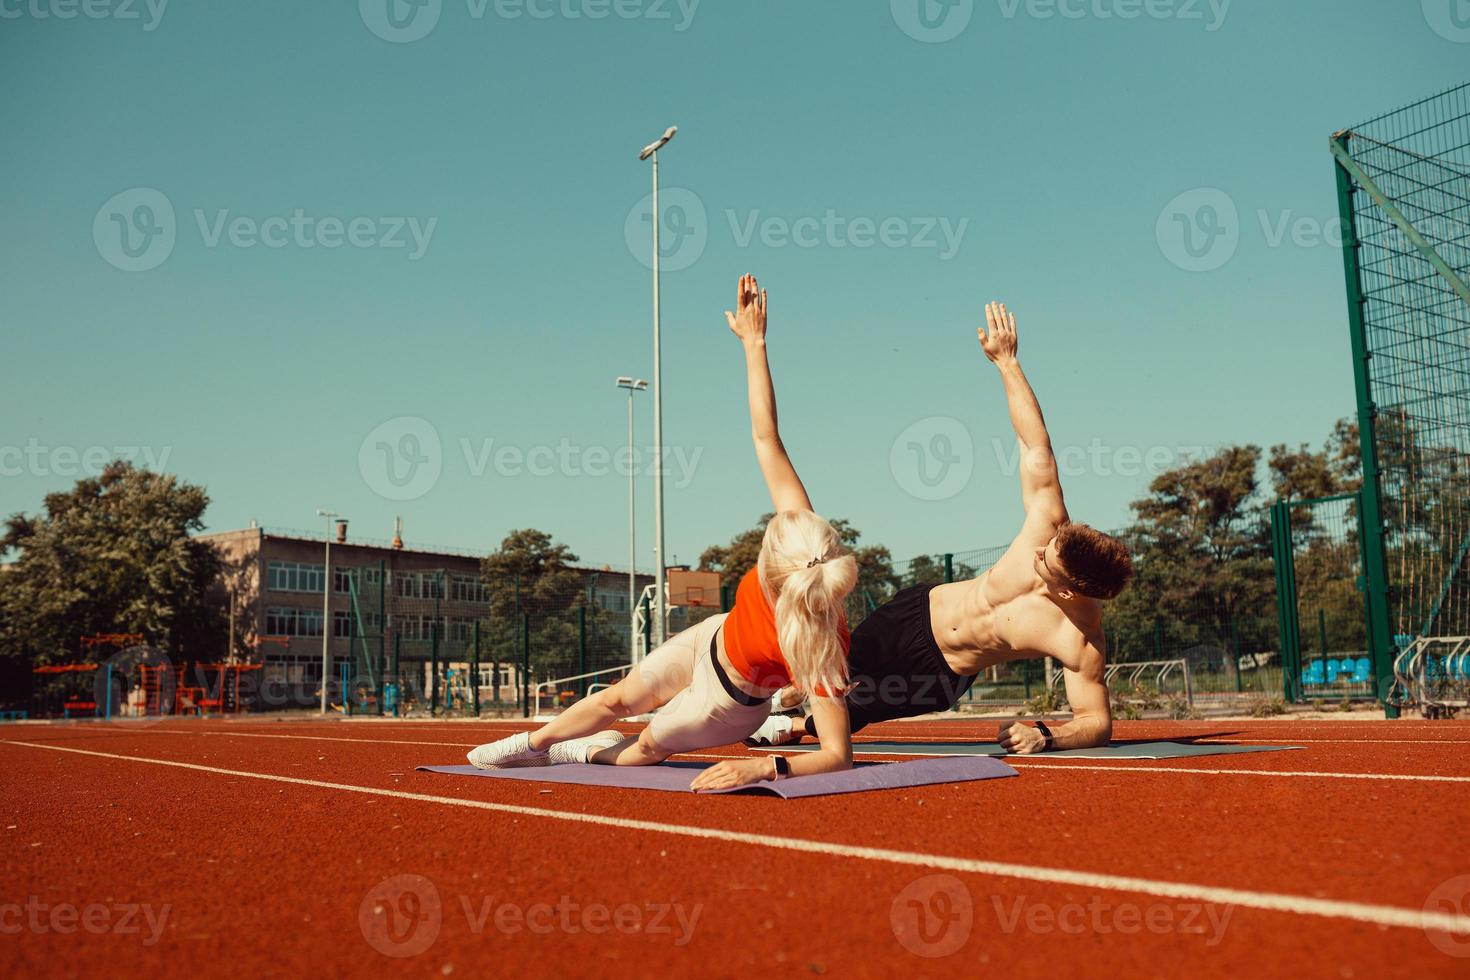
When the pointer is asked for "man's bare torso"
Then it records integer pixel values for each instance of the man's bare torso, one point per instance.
(1007, 614)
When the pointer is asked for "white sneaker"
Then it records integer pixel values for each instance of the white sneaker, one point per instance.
(511, 752)
(775, 730)
(583, 749)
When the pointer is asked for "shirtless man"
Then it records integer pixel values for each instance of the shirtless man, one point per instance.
(921, 650)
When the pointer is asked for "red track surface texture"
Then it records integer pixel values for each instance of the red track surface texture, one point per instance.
(286, 848)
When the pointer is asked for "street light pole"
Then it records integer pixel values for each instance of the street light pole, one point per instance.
(660, 620)
(327, 610)
(632, 386)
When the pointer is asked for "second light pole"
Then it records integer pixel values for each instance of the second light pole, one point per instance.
(632, 386)
(660, 614)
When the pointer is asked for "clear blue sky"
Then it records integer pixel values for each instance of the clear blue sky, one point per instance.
(1052, 143)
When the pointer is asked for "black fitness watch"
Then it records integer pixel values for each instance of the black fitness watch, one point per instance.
(1041, 727)
(783, 768)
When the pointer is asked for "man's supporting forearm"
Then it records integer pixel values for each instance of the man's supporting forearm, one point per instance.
(1081, 733)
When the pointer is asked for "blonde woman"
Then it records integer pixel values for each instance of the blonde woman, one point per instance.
(714, 681)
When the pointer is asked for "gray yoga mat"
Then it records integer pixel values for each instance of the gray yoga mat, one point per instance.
(675, 777)
(1120, 750)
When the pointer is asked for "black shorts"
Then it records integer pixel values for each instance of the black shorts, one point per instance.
(896, 665)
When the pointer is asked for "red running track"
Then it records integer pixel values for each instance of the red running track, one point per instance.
(281, 848)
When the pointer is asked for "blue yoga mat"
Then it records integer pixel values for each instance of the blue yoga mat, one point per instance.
(675, 777)
(1120, 750)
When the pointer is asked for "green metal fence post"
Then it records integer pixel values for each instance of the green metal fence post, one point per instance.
(397, 676)
(475, 671)
(726, 599)
(434, 670)
(1375, 565)
(1322, 630)
(948, 567)
(582, 649)
(1235, 652)
(526, 666)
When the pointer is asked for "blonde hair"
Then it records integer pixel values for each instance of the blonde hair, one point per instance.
(806, 575)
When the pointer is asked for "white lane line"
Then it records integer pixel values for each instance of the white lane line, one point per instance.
(1381, 915)
(1045, 763)
(1067, 764)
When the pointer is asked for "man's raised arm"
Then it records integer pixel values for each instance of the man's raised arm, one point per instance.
(1041, 488)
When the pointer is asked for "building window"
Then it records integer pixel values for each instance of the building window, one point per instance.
(419, 585)
(612, 601)
(293, 576)
(367, 578)
(282, 621)
(468, 588)
(342, 624)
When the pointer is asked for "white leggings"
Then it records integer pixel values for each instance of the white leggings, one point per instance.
(702, 714)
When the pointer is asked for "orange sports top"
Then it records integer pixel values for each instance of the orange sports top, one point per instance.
(750, 636)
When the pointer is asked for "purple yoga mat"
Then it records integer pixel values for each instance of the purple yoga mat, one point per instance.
(675, 777)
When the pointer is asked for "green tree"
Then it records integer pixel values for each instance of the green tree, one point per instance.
(112, 555)
(530, 575)
(1202, 555)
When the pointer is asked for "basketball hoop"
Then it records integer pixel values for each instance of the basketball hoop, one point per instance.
(696, 589)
